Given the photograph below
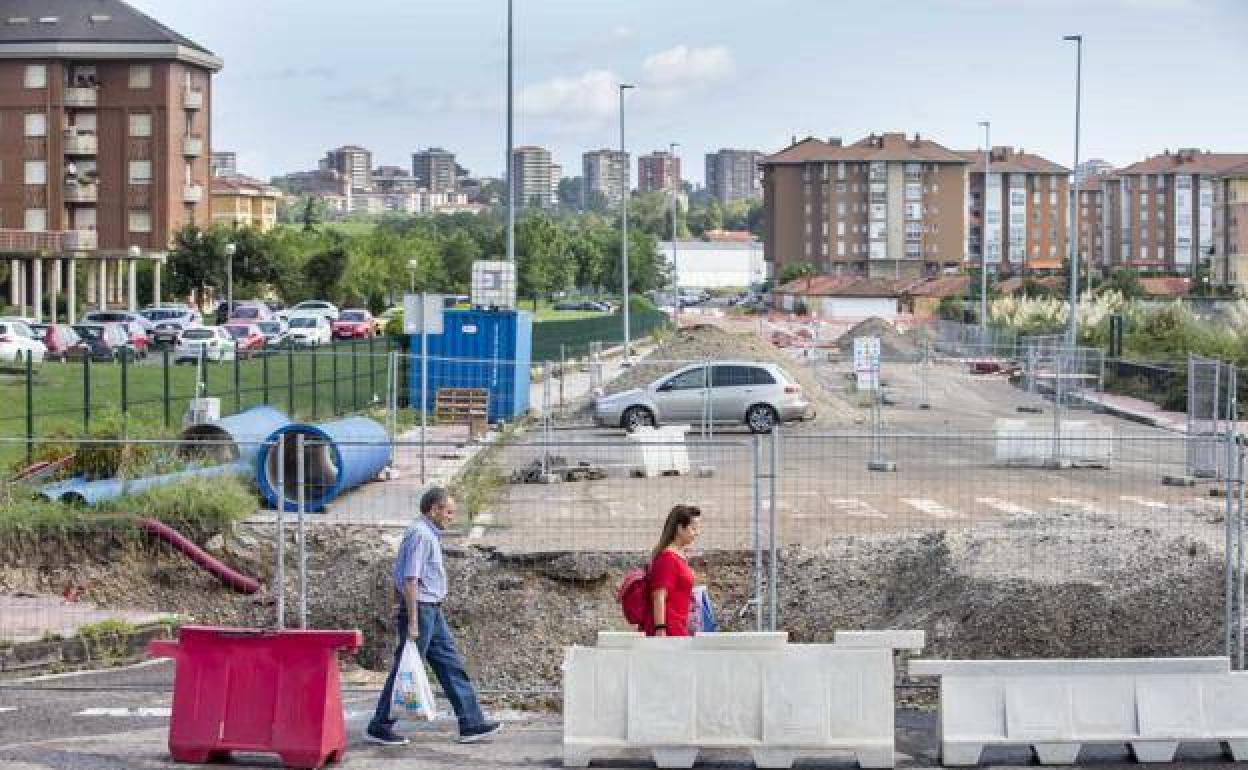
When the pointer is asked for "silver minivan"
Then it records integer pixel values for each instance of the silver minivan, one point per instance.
(758, 395)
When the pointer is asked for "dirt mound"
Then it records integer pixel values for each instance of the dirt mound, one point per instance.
(892, 343)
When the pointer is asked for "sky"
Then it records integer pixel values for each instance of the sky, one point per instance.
(302, 76)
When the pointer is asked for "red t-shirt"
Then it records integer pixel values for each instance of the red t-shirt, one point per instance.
(670, 571)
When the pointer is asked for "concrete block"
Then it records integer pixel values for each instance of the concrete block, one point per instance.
(658, 451)
(744, 640)
(619, 639)
(1154, 751)
(1056, 753)
(892, 639)
(674, 757)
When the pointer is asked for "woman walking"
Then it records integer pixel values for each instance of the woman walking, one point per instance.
(670, 581)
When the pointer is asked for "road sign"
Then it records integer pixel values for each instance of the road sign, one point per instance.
(422, 313)
(867, 362)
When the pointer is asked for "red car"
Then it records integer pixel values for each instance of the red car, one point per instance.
(354, 324)
(59, 339)
(248, 339)
(139, 342)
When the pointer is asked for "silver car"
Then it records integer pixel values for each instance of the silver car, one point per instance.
(757, 394)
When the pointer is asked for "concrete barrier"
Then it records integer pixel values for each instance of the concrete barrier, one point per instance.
(1056, 706)
(658, 451)
(750, 691)
(1031, 443)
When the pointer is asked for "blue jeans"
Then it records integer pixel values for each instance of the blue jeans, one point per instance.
(437, 647)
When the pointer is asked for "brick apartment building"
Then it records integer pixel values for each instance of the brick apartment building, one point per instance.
(886, 206)
(1024, 219)
(733, 175)
(105, 139)
(658, 172)
(1096, 231)
(1230, 227)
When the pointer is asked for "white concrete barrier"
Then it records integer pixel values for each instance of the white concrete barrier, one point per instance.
(658, 451)
(750, 691)
(1056, 706)
(1026, 442)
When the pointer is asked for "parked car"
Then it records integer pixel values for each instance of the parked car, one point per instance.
(354, 324)
(312, 307)
(248, 339)
(214, 342)
(250, 312)
(102, 342)
(309, 330)
(18, 342)
(274, 331)
(117, 317)
(760, 395)
(169, 322)
(58, 339)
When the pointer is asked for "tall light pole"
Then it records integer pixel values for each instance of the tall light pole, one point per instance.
(230, 249)
(675, 183)
(1072, 323)
(983, 234)
(511, 182)
(412, 266)
(624, 286)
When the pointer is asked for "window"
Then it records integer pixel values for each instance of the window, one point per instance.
(36, 76)
(840, 229)
(36, 124)
(36, 220)
(825, 229)
(840, 248)
(140, 172)
(840, 209)
(840, 187)
(140, 76)
(140, 125)
(36, 172)
(914, 191)
(140, 221)
(840, 170)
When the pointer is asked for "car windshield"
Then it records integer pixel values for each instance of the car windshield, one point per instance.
(109, 317)
(311, 306)
(353, 315)
(247, 312)
(198, 334)
(237, 331)
(164, 314)
(270, 327)
(90, 332)
(303, 322)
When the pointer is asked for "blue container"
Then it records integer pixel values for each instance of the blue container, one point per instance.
(479, 349)
(340, 456)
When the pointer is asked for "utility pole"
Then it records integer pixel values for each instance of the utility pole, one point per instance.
(675, 184)
(983, 236)
(511, 182)
(624, 288)
(1072, 323)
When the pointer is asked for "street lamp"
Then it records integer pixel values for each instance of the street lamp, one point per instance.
(624, 289)
(230, 249)
(983, 235)
(412, 266)
(511, 182)
(671, 150)
(1072, 323)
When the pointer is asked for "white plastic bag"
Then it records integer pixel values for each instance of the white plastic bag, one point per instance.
(412, 697)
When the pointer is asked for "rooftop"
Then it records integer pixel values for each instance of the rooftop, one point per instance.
(1187, 161)
(876, 147)
(1007, 160)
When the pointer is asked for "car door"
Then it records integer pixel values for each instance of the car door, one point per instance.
(732, 388)
(680, 397)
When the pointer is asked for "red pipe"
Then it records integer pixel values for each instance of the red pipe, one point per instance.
(238, 581)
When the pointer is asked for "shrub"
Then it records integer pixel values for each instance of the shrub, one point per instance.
(203, 506)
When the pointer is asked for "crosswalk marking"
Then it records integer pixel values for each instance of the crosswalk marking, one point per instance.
(1071, 502)
(930, 507)
(125, 712)
(857, 508)
(1144, 502)
(1005, 506)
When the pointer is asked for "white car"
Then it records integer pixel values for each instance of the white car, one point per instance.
(215, 342)
(311, 307)
(309, 330)
(18, 342)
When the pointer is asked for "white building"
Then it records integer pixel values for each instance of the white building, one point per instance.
(716, 264)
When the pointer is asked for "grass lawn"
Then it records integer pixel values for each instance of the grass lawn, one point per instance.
(546, 311)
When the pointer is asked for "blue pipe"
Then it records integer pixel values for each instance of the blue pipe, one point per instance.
(245, 432)
(340, 456)
(80, 490)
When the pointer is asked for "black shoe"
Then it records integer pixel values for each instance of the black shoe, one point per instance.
(480, 733)
(385, 736)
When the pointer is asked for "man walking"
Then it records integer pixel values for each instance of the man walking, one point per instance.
(420, 587)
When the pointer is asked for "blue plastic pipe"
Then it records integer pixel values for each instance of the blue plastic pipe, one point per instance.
(340, 456)
(245, 432)
(80, 490)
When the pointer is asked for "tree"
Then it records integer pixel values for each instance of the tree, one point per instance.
(1124, 281)
(570, 192)
(795, 270)
(542, 263)
(324, 269)
(459, 251)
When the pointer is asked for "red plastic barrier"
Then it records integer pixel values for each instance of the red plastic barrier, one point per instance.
(232, 578)
(271, 692)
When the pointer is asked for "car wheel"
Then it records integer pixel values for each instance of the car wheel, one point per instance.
(637, 417)
(761, 418)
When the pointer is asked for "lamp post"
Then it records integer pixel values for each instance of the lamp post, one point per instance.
(230, 249)
(675, 183)
(983, 235)
(511, 182)
(412, 266)
(1072, 323)
(624, 285)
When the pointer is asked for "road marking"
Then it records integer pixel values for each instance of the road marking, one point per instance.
(125, 712)
(1070, 502)
(1005, 506)
(477, 533)
(6, 709)
(930, 507)
(857, 508)
(1142, 501)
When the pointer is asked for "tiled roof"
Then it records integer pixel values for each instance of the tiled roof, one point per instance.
(1007, 160)
(241, 185)
(1187, 162)
(742, 236)
(943, 286)
(846, 286)
(84, 21)
(876, 147)
(1237, 171)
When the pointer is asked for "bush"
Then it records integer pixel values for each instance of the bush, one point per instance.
(203, 506)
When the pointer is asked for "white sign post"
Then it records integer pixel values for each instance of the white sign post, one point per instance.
(867, 362)
(422, 314)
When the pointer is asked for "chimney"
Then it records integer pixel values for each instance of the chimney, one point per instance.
(793, 141)
(917, 138)
(834, 141)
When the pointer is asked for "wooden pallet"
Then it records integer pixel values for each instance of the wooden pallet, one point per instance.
(463, 406)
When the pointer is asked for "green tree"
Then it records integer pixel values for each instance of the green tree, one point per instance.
(795, 270)
(541, 256)
(1124, 281)
(324, 269)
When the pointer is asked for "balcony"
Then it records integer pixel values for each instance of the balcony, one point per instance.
(79, 143)
(81, 240)
(192, 146)
(81, 193)
(192, 193)
(192, 98)
(81, 98)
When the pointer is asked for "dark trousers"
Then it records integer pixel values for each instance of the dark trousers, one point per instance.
(437, 647)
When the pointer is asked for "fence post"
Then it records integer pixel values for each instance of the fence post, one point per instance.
(372, 370)
(773, 594)
(238, 392)
(355, 376)
(290, 380)
(30, 407)
(264, 376)
(125, 383)
(333, 380)
(758, 541)
(316, 384)
(86, 390)
(280, 577)
(300, 479)
(164, 376)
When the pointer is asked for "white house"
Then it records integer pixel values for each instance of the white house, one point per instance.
(716, 264)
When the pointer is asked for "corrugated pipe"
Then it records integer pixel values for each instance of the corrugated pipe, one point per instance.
(341, 455)
(234, 579)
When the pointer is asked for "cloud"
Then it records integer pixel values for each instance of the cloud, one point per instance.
(590, 96)
(685, 67)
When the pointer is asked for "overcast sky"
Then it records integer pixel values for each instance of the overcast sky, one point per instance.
(302, 76)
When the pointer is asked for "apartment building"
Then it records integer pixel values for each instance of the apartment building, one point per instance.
(241, 201)
(605, 177)
(1163, 210)
(1095, 229)
(658, 172)
(1094, 167)
(105, 136)
(434, 170)
(886, 206)
(224, 163)
(1022, 218)
(733, 175)
(394, 179)
(353, 162)
(1230, 227)
(535, 177)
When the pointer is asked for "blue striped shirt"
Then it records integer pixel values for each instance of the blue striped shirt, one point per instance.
(420, 557)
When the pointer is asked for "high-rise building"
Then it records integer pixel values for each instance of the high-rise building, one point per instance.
(106, 115)
(556, 174)
(883, 207)
(533, 176)
(1162, 210)
(733, 175)
(1024, 217)
(394, 179)
(658, 172)
(435, 170)
(1230, 226)
(353, 162)
(224, 163)
(1092, 168)
(1095, 229)
(606, 177)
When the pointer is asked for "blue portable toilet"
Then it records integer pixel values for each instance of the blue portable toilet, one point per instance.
(479, 349)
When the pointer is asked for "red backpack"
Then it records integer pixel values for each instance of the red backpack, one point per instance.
(632, 594)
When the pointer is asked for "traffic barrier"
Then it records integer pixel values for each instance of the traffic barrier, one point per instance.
(750, 691)
(658, 451)
(1056, 706)
(1024, 442)
(271, 692)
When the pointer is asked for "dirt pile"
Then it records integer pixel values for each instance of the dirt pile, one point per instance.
(893, 344)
